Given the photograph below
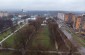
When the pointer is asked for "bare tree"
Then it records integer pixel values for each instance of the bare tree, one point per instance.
(22, 39)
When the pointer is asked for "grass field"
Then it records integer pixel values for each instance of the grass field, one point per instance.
(9, 43)
(6, 33)
(3, 35)
(6, 53)
(42, 39)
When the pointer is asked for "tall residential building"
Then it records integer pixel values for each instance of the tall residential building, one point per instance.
(78, 23)
(70, 19)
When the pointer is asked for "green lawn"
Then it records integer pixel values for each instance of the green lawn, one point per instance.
(42, 39)
(3, 35)
(9, 42)
(6, 53)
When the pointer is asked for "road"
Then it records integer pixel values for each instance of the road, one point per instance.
(70, 37)
(74, 42)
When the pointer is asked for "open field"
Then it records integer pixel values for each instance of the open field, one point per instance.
(7, 32)
(9, 42)
(42, 40)
(4, 34)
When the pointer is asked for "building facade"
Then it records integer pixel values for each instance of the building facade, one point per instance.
(78, 23)
(70, 19)
(3, 13)
(61, 16)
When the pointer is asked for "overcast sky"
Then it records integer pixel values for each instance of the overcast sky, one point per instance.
(67, 5)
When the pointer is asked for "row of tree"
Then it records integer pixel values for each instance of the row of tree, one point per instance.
(6, 21)
(23, 37)
(60, 38)
(5, 24)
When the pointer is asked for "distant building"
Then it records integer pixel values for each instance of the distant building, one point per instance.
(21, 15)
(3, 13)
(61, 16)
(15, 20)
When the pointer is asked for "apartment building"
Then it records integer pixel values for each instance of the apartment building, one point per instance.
(78, 23)
(3, 14)
(70, 19)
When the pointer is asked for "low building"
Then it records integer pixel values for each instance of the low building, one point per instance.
(61, 16)
(21, 15)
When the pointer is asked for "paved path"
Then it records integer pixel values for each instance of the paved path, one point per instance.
(11, 34)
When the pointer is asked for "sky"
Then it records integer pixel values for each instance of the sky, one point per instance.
(62, 5)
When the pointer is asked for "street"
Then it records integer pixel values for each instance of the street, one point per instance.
(70, 37)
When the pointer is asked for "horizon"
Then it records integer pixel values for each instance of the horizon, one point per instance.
(9, 10)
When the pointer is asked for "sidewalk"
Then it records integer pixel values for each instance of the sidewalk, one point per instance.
(11, 34)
